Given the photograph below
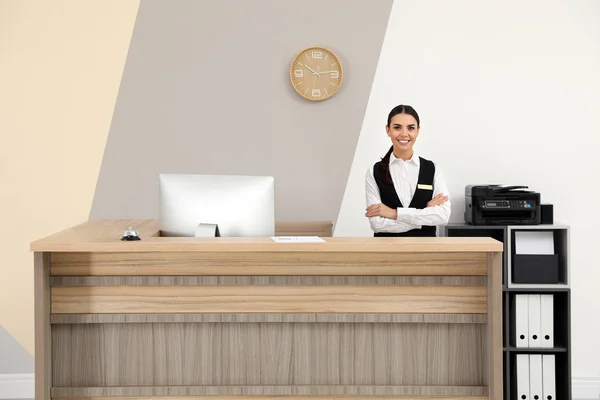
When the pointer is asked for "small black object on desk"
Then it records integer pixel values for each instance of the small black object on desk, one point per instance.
(547, 214)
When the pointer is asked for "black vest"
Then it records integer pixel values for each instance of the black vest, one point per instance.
(421, 197)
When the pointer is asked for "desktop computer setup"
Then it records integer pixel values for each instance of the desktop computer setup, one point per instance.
(216, 205)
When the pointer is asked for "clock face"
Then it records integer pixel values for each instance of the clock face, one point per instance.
(316, 73)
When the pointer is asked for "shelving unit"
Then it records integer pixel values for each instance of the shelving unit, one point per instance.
(546, 273)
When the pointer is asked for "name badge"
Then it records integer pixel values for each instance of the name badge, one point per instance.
(424, 187)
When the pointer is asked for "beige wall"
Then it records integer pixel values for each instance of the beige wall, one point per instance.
(60, 67)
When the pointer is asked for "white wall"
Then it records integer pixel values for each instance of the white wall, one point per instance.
(508, 92)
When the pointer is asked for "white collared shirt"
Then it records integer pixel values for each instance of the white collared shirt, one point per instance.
(405, 175)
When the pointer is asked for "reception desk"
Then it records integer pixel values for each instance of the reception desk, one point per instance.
(233, 318)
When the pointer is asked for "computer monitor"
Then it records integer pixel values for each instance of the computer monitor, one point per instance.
(241, 206)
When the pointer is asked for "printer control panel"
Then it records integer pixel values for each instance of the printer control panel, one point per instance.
(501, 205)
(507, 204)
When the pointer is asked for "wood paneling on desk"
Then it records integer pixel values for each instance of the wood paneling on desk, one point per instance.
(237, 318)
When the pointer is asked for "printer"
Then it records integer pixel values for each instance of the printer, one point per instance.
(501, 205)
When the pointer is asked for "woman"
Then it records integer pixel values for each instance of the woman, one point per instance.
(406, 194)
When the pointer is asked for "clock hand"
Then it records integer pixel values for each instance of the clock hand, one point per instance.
(316, 77)
(311, 70)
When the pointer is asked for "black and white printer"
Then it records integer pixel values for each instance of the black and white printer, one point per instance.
(501, 205)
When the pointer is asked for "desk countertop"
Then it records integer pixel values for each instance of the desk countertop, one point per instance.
(105, 236)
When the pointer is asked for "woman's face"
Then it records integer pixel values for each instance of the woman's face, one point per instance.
(403, 131)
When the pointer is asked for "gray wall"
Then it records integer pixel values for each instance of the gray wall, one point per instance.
(206, 90)
(14, 359)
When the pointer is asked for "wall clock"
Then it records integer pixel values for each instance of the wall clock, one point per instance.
(316, 73)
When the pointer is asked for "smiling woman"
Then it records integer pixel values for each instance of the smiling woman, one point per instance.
(406, 193)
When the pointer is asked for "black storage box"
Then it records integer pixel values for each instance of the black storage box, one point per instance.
(535, 268)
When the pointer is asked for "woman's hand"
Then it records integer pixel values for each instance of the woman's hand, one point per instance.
(438, 200)
(381, 210)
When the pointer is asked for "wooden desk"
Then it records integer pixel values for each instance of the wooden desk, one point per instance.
(238, 317)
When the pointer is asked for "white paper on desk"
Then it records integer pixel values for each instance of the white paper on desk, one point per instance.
(297, 239)
(534, 243)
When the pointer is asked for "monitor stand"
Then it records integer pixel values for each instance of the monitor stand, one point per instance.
(207, 230)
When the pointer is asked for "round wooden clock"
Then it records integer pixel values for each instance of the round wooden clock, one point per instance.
(316, 73)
